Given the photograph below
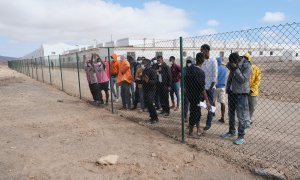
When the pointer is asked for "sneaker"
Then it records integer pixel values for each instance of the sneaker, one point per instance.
(157, 108)
(154, 121)
(166, 115)
(239, 141)
(117, 100)
(172, 106)
(206, 128)
(162, 112)
(221, 120)
(134, 107)
(227, 135)
(141, 110)
(123, 108)
(176, 109)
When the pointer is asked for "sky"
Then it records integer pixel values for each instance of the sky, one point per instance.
(26, 24)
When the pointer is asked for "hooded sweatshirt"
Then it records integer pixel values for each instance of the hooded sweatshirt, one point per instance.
(124, 72)
(221, 74)
(114, 65)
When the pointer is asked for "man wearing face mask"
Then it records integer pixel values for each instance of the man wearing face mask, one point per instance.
(125, 80)
(164, 85)
(157, 100)
(139, 96)
(92, 80)
(238, 90)
(149, 87)
(102, 79)
(175, 69)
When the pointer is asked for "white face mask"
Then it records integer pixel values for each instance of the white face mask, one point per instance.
(139, 62)
(99, 63)
(171, 62)
(159, 64)
(154, 61)
(189, 64)
(143, 66)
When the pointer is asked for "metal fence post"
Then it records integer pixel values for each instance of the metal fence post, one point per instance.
(77, 58)
(110, 83)
(42, 69)
(61, 76)
(36, 66)
(31, 68)
(182, 91)
(49, 71)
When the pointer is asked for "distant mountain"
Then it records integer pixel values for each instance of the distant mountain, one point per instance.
(5, 59)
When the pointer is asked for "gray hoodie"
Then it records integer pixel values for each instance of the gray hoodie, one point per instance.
(238, 80)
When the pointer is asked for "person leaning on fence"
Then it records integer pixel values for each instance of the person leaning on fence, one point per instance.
(92, 79)
(102, 79)
(195, 92)
(189, 62)
(125, 80)
(238, 91)
(254, 86)
(164, 85)
(114, 74)
(175, 70)
(149, 87)
(139, 85)
(219, 94)
(210, 68)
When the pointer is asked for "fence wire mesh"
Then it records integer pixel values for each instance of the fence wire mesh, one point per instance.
(153, 81)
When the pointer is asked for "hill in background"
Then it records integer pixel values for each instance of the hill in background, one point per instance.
(5, 59)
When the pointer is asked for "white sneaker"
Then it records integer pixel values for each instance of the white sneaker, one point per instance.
(116, 100)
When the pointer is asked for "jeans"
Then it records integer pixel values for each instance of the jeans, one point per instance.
(252, 100)
(141, 93)
(157, 98)
(164, 97)
(125, 94)
(210, 96)
(94, 91)
(113, 84)
(175, 89)
(239, 104)
(186, 106)
(136, 95)
(132, 92)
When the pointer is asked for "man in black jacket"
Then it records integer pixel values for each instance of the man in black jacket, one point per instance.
(164, 85)
(149, 87)
(194, 79)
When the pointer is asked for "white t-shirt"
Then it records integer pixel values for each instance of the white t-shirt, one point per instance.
(210, 68)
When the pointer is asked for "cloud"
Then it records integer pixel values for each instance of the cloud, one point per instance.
(212, 23)
(81, 21)
(273, 17)
(207, 31)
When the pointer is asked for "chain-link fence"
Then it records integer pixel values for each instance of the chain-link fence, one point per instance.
(163, 81)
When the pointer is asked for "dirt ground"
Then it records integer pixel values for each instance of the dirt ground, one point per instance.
(41, 138)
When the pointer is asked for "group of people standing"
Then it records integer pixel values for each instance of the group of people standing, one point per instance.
(153, 82)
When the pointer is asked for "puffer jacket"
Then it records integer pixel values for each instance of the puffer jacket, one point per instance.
(114, 65)
(124, 72)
